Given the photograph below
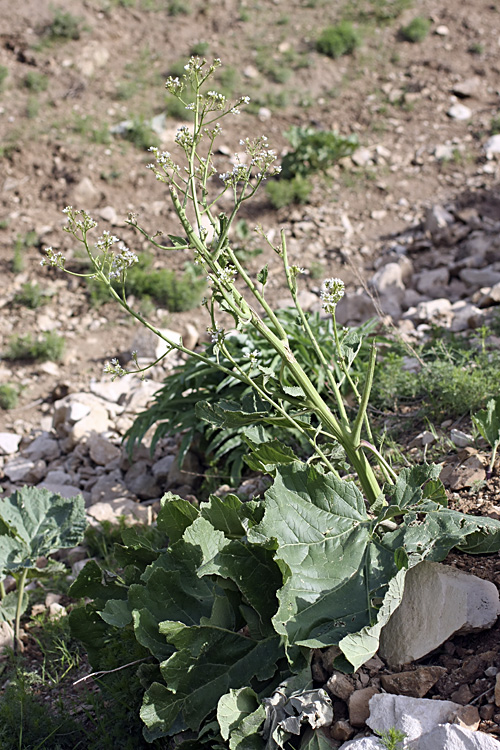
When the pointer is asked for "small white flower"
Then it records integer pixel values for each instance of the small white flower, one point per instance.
(331, 294)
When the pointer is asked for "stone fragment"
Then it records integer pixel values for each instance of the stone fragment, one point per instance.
(57, 476)
(435, 311)
(161, 468)
(361, 157)
(148, 345)
(358, 705)
(188, 474)
(432, 283)
(85, 194)
(44, 446)
(21, 469)
(113, 510)
(96, 422)
(101, 450)
(9, 443)
(340, 686)
(355, 308)
(442, 30)
(468, 88)
(6, 639)
(465, 316)
(108, 213)
(141, 482)
(415, 684)
(113, 390)
(492, 145)
(459, 112)
(190, 336)
(436, 219)
(464, 474)
(341, 730)
(460, 438)
(108, 487)
(497, 690)
(463, 695)
(478, 277)
(468, 717)
(438, 601)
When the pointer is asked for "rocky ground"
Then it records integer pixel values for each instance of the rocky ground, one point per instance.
(411, 222)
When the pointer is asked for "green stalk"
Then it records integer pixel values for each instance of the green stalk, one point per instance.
(2, 589)
(20, 596)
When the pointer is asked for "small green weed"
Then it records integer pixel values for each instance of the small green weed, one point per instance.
(48, 346)
(476, 48)
(31, 295)
(284, 192)
(338, 40)
(416, 30)
(140, 134)
(36, 82)
(32, 108)
(375, 11)
(64, 27)
(315, 150)
(4, 72)
(178, 8)
(22, 243)
(199, 49)
(9, 396)
(495, 125)
(86, 126)
(391, 739)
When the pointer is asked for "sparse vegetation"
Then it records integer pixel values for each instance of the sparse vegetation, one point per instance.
(4, 73)
(31, 295)
(64, 27)
(338, 40)
(26, 346)
(416, 30)
(283, 193)
(9, 396)
(36, 82)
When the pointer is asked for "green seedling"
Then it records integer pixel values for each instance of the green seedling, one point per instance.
(488, 424)
(391, 739)
(9, 396)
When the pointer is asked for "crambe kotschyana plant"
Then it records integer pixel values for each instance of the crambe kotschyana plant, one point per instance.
(230, 600)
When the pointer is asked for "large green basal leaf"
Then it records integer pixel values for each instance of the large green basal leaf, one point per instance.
(333, 567)
(208, 663)
(38, 522)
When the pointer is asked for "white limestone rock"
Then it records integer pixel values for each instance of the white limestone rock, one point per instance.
(9, 443)
(438, 601)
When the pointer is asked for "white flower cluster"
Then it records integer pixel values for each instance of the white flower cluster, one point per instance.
(240, 173)
(174, 85)
(214, 101)
(331, 294)
(114, 368)
(121, 262)
(183, 137)
(261, 156)
(84, 223)
(105, 241)
(53, 258)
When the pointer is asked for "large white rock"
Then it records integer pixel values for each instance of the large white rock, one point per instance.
(413, 716)
(365, 743)
(438, 601)
(492, 145)
(453, 737)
